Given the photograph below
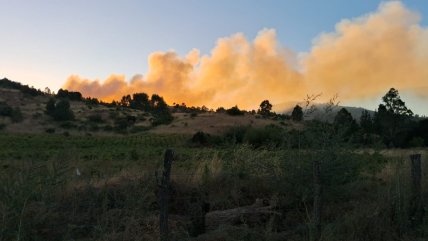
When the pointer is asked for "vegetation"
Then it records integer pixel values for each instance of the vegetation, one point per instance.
(234, 111)
(265, 108)
(25, 89)
(59, 185)
(59, 110)
(297, 114)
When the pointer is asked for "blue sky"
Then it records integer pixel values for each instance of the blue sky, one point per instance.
(43, 42)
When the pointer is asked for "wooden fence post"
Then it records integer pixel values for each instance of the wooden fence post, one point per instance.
(317, 200)
(164, 194)
(416, 211)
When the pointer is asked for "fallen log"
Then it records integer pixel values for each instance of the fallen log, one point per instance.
(252, 215)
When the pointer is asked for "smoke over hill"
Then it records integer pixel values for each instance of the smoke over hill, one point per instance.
(362, 58)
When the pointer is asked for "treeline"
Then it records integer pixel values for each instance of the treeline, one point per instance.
(393, 125)
(155, 105)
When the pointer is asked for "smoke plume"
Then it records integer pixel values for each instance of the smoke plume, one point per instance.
(362, 58)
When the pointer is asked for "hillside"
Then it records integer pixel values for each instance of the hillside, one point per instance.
(101, 119)
(75, 168)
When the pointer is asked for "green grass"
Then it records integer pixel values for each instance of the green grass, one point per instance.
(365, 195)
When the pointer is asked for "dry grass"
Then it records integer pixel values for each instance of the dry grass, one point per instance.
(212, 123)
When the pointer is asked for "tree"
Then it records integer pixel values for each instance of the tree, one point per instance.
(71, 95)
(343, 118)
(392, 119)
(50, 107)
(63, 111)
(344, 123)
(157, 103)
(366, 121)
(265, 108)
(394, 104)
(140, 101)
(297, 114)
(126, 101)
(60, 110)
(234, 111)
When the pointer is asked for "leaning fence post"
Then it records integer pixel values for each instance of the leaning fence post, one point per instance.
(164, 194)
(317, 200)
(416, 211)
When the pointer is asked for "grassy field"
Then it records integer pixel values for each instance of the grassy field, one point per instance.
(365, 193)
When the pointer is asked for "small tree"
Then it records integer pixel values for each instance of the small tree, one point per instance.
(50, 107)
(234, 111)
(265, 108)
(297, 114)
(60, 110)
(63, 111)
(140, 101)
(366, 122)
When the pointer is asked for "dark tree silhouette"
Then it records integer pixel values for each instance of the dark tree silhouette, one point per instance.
(126, 101)
(234, 111)
(297, 114)
(394, 104)
(63, 111)
(265, 108)
(345, 124)
(366, 122)
(71, 95)
(158, 103)
(392, 119)
(60, 111)
(50, 107)
(140, 101)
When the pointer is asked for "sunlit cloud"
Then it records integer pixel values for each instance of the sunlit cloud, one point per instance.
(362, 58)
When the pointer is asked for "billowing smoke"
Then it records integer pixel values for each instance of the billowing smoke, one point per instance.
(363, 58)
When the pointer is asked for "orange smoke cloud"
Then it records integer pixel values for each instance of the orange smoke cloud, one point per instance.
(362, 58)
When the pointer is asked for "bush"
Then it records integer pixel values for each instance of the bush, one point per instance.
(5, 109)
(200, 138)
(235, 111)
(60, 111)
(162, 118)
(266, 136)
(97, 118)
(67, 125)
(136, 129)
(50, 130)
(107, 128)
(16, 115)
(235, 135)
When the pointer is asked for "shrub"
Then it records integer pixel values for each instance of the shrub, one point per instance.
(200, 138)
(67, 125)
(16, 115)
(269, 135)
(60, 111)
(50, 130)
(107, 128)
(234, 111)
(97, 118)
(136, 129)
(235, 135)
(162, 118)
(5, 109)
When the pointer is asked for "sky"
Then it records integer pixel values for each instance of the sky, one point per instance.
(281, 49)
